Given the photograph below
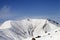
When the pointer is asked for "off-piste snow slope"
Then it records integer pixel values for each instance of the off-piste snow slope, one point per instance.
(27, 29)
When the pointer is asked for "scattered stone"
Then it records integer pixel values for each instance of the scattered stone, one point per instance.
(45, 31)
(33, 39)
(55, 31)
(28, 19)
(48, 33)
(38, 36)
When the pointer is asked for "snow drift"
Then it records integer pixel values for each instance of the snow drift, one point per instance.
(26, 29)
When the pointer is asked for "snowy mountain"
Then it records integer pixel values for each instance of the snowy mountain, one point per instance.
(26, 29)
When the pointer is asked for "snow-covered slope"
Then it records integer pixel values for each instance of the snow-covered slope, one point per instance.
(26, 29)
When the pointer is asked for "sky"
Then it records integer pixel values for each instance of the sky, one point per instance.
(16, 9)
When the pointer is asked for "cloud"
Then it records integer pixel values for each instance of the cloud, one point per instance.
(5, 12)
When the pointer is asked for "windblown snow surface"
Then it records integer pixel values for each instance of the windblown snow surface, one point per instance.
(26, 29)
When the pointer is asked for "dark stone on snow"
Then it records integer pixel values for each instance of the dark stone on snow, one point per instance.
(38, 36)
(33, 39)
(48, 33)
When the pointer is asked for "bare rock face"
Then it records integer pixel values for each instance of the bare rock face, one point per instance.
(40, 29)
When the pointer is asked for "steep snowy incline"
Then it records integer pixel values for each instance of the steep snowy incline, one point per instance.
(26, 29)
(43, 27)
(53, 35)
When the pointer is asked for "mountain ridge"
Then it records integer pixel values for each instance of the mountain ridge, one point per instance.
(26, 28)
